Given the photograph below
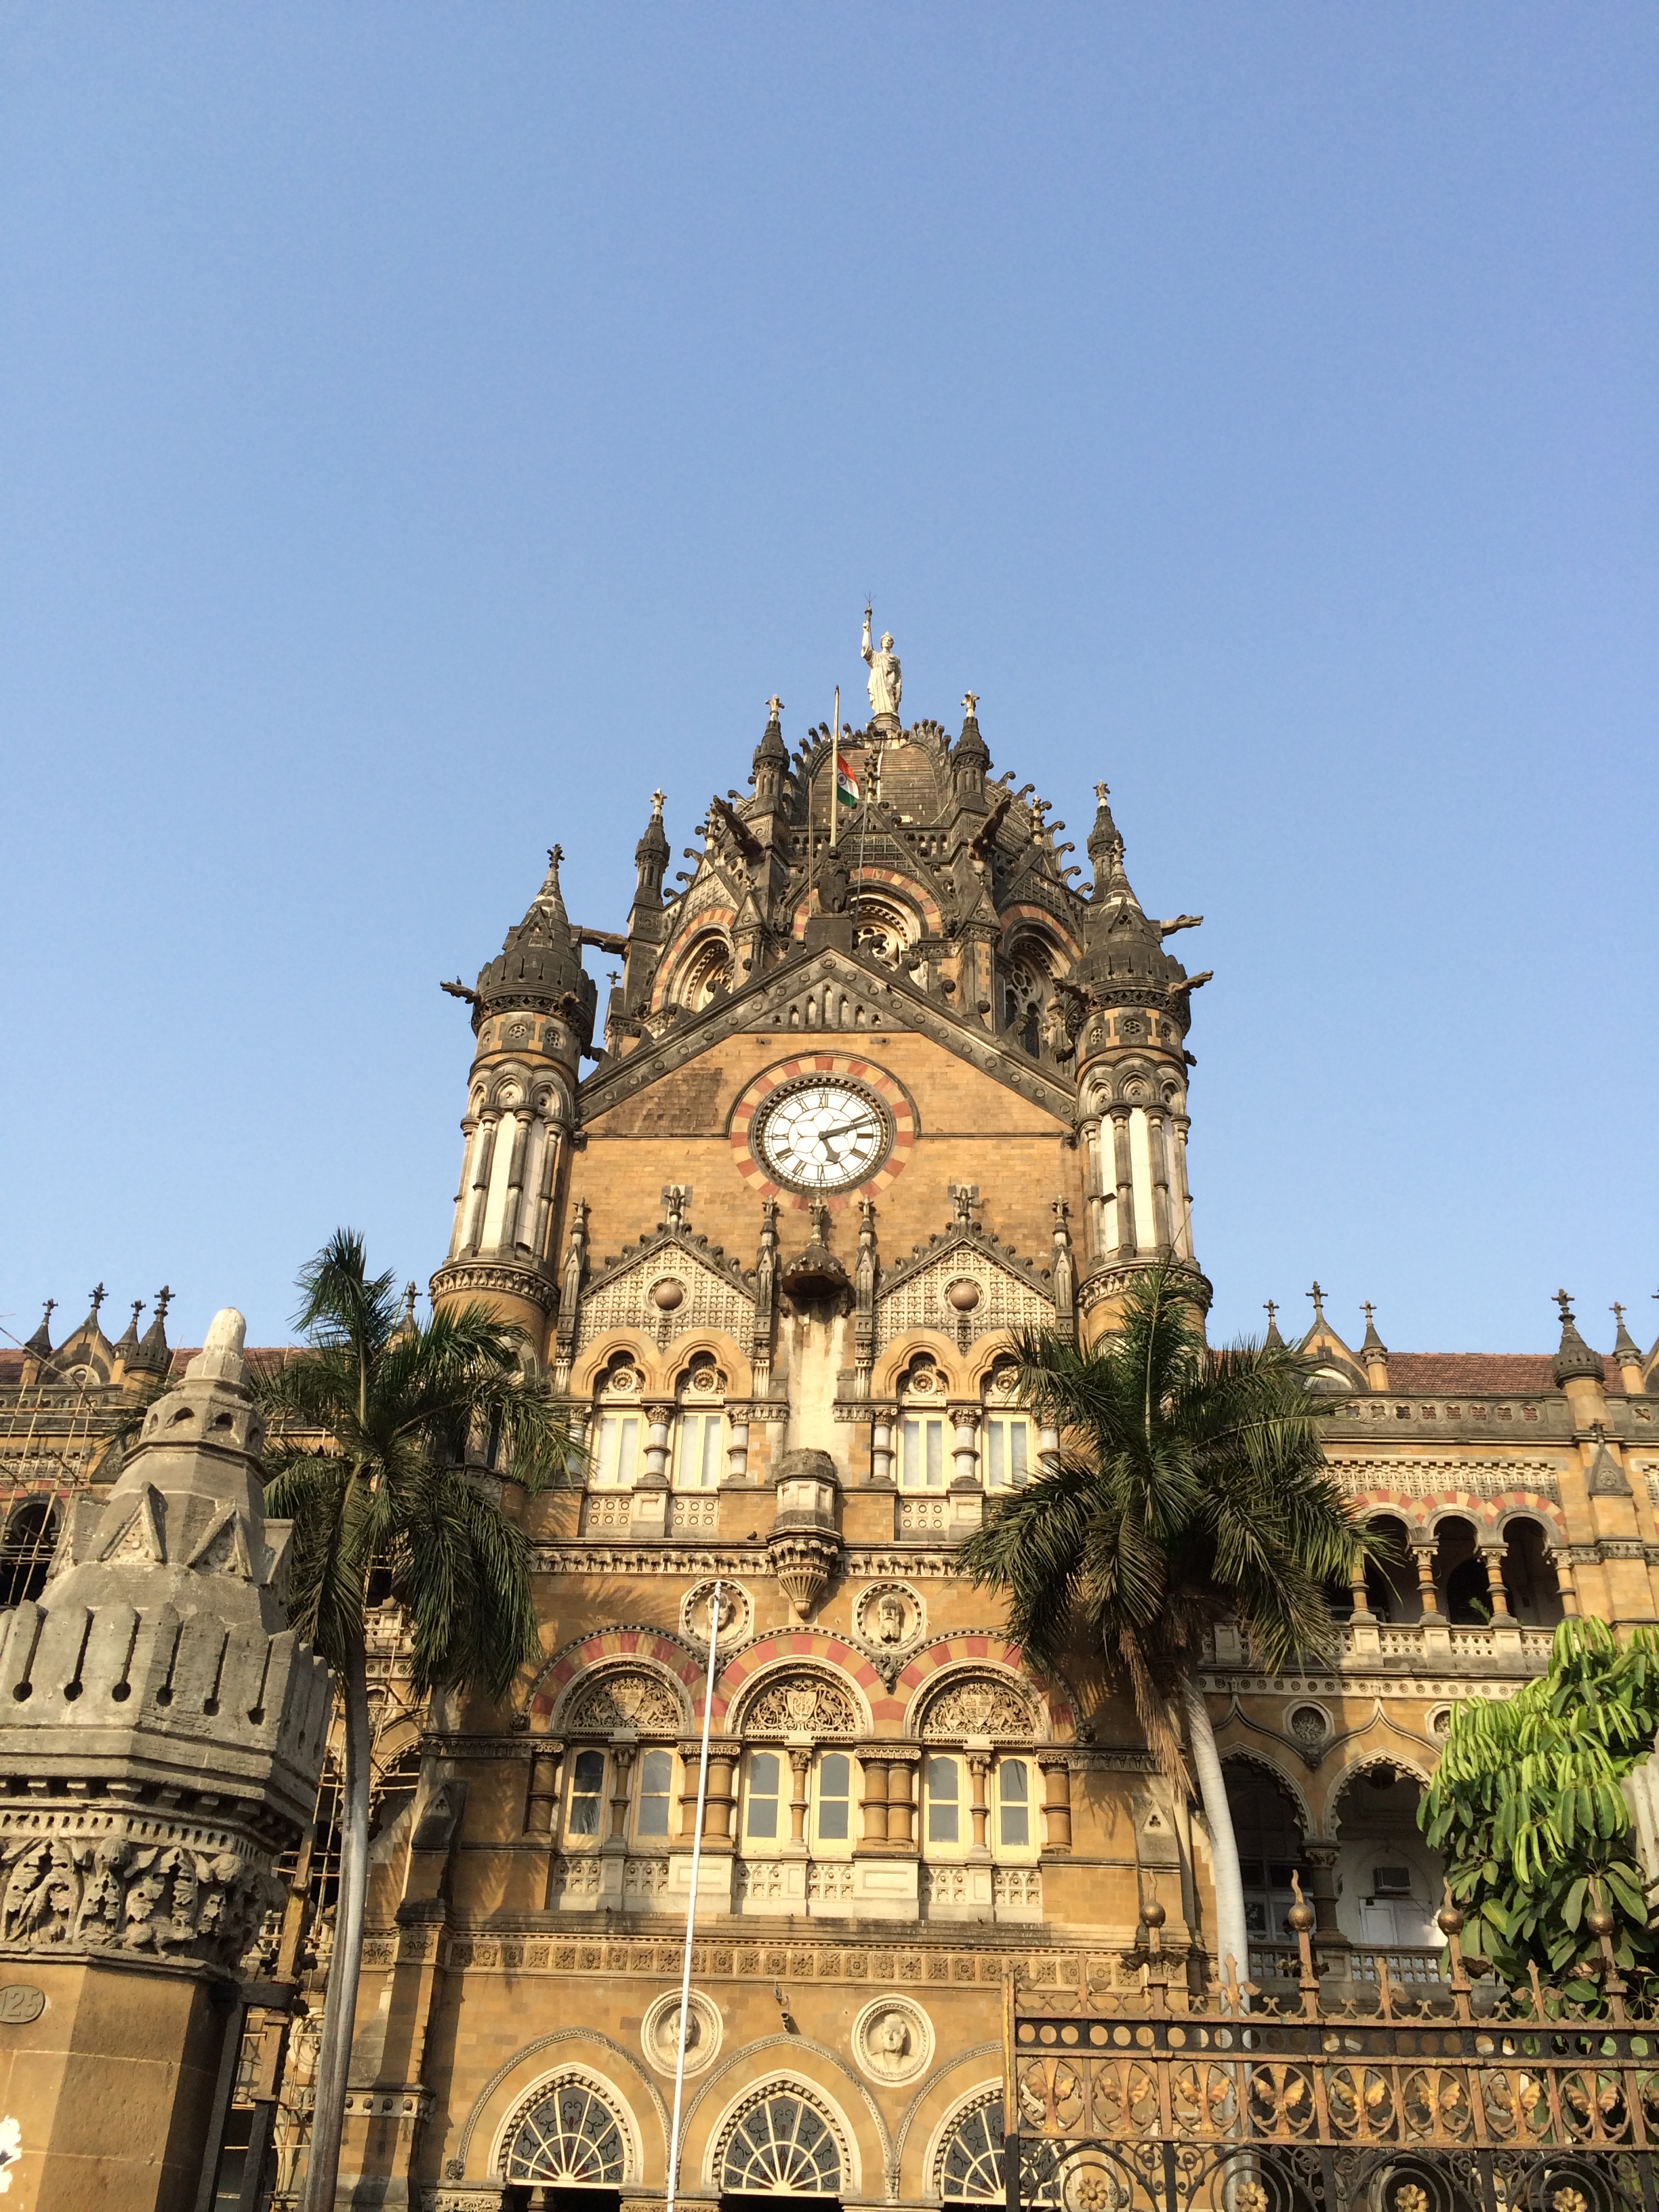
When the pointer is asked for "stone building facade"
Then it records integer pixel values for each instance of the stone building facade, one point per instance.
(849, 1117)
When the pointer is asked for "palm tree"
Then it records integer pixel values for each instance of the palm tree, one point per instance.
(1191, 1486)
(395, 1401)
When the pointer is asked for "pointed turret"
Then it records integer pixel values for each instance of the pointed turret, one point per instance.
(126, 1344)
(39, 1344)
(1575, 1357)
(1103, 841)
(1270, 1307)
(651, 858)
(970, 758)
(1628, 1354)
(771, 763)
(540, 965)
(155, 1355)
(1374, 1351)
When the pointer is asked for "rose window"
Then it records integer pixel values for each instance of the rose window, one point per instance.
(782, 2148)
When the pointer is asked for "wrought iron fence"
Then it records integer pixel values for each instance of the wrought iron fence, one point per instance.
(1457, 2098)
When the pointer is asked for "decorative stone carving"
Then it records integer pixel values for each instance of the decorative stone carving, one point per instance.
(659, 2032)
(1309, 1726)
(802, 1705)
(100, 1891)
(627, 1699)
(893, 2039)
(737, 1614)
(890, 1617)
(978, 1704)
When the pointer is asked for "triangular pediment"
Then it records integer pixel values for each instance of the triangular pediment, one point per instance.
(715, 1293)
(826, 993)
(1013, 1292)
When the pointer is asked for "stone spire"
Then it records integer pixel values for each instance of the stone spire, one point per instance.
(651, 857)
(1574, 1356)
(1374, 1351)
(126, 1347)
(1627, 1353)
(970, 757)
(1103, 841)
(1271, 1309)
(771, 762)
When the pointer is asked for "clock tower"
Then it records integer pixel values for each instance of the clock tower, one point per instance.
(854, 1114)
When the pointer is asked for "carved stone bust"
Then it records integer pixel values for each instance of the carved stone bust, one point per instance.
(893, 2039)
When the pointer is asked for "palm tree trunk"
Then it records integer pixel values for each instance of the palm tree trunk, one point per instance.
(1232, 1938)
(340, 2005)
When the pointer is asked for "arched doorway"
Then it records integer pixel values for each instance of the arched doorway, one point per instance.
(1389, 1881)
(1267, 1823)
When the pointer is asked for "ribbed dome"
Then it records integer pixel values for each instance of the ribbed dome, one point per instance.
(541, 960)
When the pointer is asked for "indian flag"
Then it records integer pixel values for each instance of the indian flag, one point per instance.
(847, 784)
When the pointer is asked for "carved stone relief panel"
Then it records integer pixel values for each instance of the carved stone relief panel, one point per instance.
(630, 1699)
(659, 2032)
(893, 2039)
(978, 1704)
(802, 1705)
(737, 1614)
(889, 1617)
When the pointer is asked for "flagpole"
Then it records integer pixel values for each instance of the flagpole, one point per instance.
(835, 769)
(691, 1907)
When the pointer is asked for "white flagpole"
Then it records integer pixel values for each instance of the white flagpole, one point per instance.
(835, 769)
(691, 1908)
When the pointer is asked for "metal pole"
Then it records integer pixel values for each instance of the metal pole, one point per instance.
(834, 771)
(691, 1908)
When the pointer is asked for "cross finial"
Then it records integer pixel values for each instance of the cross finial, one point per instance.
(776, 705)
(410, 1295)
(1317, 1295)
(659, 799)
(964, 1197)
(1100, 793)
(1368, 1309)
(612, 977)
(1563, 1299)
(555, 854)
(163, 1300)
(51, 1308)
(1617, 1312)
(1270, 1307)
(969, 702)
(137, 1308)
(98, 1297)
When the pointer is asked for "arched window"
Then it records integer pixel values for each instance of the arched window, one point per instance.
(700, 1429)
(618, 1431)
(970, 2170)
(25, 1550)
(924, 1438)
(1269, 1848)
(1528, 1576)
(705, 973)
(569, 2138)
(781, 2147)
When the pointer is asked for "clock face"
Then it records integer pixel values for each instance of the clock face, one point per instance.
(823, 1135)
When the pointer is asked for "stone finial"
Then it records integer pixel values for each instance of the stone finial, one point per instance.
(98, 1294)
(1271, 1308)
(127, 1343)
(1373, 1342)
(1317, 1295)
(1626, 1349)
(154, 1353)
(774, 706)
(219, 1360)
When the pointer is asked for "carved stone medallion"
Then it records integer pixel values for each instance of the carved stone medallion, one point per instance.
(893, 2039)
(659, 2032)
(890, 1617)
(737, 1614)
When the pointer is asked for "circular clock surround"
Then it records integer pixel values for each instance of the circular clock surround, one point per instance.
(822, 1134)
(750, 1107)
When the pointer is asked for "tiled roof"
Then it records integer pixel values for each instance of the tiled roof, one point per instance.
(1479, 1374)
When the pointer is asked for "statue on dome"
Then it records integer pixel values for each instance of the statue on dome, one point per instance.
(886, 683)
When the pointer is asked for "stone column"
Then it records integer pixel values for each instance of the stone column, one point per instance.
(1089, 1135)
(621, 1768)
(722, 1801)
(1428, 1597)
(1180, 1197)
(541, 1799)
(979, 1768)
(509, 1237)
(161, 1730)
(964, 1445)
(736, 1452)
(483, 1154)
(1057, 1803)
(881, 1453)
(800, 1764)
(1124, 1173)
(1360, 1592)
(1492, 1560)
(1560, 1557)
(873, 1803)
(901, 1799)
(1320, 1857)
(1157, 1145)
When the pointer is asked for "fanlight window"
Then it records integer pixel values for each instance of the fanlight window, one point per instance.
(570, 2138)
(782, 2148)
(970, 2171)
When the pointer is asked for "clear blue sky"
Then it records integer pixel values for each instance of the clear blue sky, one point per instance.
(424, 429)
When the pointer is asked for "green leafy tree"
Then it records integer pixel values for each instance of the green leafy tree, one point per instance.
(394, 1400)
(1190, 1487)
(1527, 1809)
